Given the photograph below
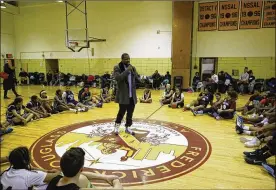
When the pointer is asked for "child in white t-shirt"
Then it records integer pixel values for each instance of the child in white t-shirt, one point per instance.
(20, 175)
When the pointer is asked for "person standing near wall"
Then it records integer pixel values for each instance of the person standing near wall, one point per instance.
(9, 82)
(125, 75)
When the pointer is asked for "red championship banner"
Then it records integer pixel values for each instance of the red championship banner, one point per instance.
(250, 15)
(228, 15)
(269, 18)
(207, 18)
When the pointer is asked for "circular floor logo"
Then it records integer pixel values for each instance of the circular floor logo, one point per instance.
(159, 151)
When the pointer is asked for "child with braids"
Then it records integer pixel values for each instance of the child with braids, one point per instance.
(21, 175)
(14, 116)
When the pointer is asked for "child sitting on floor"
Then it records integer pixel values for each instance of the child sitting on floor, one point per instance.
(59, 103)
(46, 102)
(36, 106)
(227, 107)
(68, 97)
(14, 116)
(105, 96)
(87, 99)
(167, 97)
(177, 99)
(201, 102)
(215, 106)
(146, 96)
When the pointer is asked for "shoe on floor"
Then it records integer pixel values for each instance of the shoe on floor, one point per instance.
(270, 169)
(129, 131)
(8, 130)
(244, 139)
(116, 128)
(254, 160)
(239, 129)
(253, 143)
(253, 153)
(194, 112)
(7, 98)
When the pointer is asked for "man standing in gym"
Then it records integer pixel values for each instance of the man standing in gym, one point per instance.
(125, 75)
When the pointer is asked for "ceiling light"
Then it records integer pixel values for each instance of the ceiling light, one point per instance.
(3, 6)
(60, 1)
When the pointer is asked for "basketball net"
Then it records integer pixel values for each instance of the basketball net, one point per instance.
(73, 45)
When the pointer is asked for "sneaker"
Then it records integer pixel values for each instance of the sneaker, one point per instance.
(258, 160)
(99, 105)
(270, 169)
(116, 128)
(239, 129)
(76, 111)
(7, 98)
(194, 112)
(8, 130)
(254, 153)
(129, 131)
(244, 139)
(253, 143)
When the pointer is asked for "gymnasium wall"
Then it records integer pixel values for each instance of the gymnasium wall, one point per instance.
(7, 36)
(128, 27)
(254, 48)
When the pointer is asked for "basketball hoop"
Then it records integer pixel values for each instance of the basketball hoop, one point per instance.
(73, 45)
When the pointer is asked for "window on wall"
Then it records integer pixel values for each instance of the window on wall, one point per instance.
(206, 66)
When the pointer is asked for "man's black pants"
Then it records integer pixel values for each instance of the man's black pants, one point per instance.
(129, 108)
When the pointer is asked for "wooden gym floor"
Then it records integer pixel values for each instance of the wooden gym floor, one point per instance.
(225, 168)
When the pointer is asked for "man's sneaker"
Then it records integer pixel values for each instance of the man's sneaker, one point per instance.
(239, 129)
(116, 128)
(253, 143)
(129, 131)
(258, 160)
(254, 153)
(194, 112)
(244, 139)
(270, 169)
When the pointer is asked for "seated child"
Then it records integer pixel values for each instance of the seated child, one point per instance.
(105, 96)
(87, 99)
(177, 99)
(59, 103)
(255, 100)
(227, 107)
(146, 96)
(202, 101)
(167, 97)
(68, 97)
(46, 102)
(215, 106)
(14, 116)
(36, 106)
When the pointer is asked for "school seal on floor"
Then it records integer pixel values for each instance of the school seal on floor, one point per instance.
(159, 151)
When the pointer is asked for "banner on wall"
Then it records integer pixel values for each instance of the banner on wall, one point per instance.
(269, 18)
(228, 15)
(207, 18)
(250, 14)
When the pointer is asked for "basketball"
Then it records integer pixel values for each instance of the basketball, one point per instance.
(174, 105)
(4, 75)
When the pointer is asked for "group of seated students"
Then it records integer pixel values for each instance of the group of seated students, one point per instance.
(42, 106)
(21, 175)
(258, 119)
